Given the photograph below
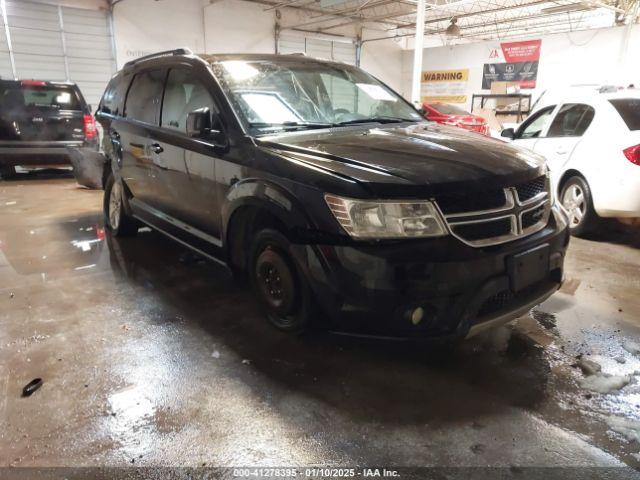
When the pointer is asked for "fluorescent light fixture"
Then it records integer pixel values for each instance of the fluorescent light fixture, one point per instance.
(571, 7)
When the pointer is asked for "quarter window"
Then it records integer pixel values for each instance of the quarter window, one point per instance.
(113, 98)
(143, 100)
(572, 120)
(183, 95)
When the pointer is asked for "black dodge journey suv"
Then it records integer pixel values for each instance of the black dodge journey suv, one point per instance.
(327, 190)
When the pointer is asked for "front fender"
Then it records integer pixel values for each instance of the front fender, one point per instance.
(269, 196)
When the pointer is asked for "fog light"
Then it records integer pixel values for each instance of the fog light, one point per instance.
(417, 315)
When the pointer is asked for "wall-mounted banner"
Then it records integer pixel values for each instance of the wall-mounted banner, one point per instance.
(527, 51)
(521, 64)
(448, 86)
(523, 73)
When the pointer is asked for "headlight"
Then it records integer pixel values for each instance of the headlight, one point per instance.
(386, 219)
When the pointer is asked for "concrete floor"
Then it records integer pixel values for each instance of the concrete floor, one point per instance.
(154, 357)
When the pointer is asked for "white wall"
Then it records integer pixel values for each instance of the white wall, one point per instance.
(226, 26)
(565, 59)
(239, 27)
(142, 27)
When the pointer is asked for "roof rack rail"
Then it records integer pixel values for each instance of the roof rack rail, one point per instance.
(165, 53)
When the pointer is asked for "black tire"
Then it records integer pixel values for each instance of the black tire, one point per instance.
(7, 171)
(117, 221)
(576, 198)
(281, 290)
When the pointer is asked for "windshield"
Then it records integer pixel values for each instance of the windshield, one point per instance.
(449, 109)
(287, 95)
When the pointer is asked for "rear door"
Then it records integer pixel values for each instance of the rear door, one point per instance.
(566, 130)
(40, 112)
(141, 113)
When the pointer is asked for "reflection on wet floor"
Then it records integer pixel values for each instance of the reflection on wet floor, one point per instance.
(151, 355)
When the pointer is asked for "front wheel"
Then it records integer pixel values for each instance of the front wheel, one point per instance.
(115, 217)
(282, 291)
(577, 201)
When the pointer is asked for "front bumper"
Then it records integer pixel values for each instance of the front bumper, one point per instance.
(371, 289)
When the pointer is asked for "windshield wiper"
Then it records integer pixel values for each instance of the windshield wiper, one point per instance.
(292, 125)
(377, 120)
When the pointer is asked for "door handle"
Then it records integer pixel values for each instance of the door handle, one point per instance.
(562, 152)
(156, 148)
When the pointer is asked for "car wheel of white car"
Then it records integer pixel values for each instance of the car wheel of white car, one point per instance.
(576, 199)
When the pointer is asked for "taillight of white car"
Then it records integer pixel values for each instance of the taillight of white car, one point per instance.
(633, 154)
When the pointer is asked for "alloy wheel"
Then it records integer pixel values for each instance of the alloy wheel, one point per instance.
(573, 200)
(115, 205)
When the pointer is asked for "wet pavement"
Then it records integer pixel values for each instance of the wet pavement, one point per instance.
(153, 356)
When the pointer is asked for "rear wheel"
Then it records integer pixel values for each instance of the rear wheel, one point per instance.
(282, 291)
(115, 217)
(7, 171)
(577, 201)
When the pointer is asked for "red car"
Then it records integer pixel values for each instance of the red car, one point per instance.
(448, 114)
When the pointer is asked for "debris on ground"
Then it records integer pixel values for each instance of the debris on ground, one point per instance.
(215, 354)
(588, 367)
(604, 383)
(631, 347)
(11, 295)
(246, 361)
(620, 359)
(630, 429)
(31, 387)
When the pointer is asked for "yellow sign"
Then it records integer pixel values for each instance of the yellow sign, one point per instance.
(445, 76)
(445, 99)
(448, 86)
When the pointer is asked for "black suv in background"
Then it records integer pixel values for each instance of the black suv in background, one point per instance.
(44, 124)
(331, 194)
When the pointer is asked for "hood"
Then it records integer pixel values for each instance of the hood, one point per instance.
(413, 158)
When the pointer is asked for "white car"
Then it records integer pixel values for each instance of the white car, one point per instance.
(591, 142)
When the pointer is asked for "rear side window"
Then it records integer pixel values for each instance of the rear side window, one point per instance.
(183, 94)
(50, 97)
(113, 98)
(572, 120)
(629, 110)
(143, 100)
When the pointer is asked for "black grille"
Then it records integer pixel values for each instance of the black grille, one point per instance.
(482, 230)
(496, 303)
(471, 202)
(534, 216)
(528, 190)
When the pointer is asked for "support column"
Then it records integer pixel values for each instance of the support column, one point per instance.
(7, 34)
(417, 54)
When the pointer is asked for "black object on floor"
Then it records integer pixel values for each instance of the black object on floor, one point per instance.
(31, 387)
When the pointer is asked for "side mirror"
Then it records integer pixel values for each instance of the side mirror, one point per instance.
(199, 123)
(508, 133)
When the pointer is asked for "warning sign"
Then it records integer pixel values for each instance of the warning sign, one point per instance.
(448, 86)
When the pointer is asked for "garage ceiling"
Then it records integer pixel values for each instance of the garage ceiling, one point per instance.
(477, 19)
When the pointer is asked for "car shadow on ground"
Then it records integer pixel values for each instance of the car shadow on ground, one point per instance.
(391, 382)
(613, 231)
